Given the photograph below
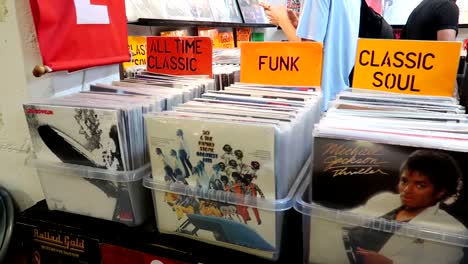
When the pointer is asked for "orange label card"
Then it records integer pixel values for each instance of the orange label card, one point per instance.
(409, 67)
(226, 40)
(282, 63)
(180, 55)
(137, 45)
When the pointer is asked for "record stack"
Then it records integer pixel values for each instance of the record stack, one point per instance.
(226, 56)
(223, 163)
(175, 89)
(91, 149)
(387, 181)
(225, 75)
(226, 67)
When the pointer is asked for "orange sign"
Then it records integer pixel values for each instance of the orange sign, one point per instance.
(180, 55)
(137, 45)
(409, 67)
(282, 63)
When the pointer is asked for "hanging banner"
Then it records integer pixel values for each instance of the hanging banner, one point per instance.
(77, 34)
(180, 55)
(282, 63)
(409, 67)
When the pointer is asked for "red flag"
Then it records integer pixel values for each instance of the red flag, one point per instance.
(76, 34)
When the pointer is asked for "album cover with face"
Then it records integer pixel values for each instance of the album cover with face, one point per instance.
(394, 186)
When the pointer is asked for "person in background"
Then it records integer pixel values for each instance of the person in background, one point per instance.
(283, 17)
(336, 25)
(396, 12)
(433, 20)
(377, 5)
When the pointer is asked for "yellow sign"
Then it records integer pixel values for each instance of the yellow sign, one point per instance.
(409, 67)
(282, 63)
(137, 45)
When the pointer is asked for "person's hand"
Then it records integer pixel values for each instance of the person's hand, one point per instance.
(372, 257)
(265, 5)
(293, 17)
(277, 14)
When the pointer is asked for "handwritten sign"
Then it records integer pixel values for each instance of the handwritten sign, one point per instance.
(137, 45)
(282, 63)
(409, 67)
(180, 55)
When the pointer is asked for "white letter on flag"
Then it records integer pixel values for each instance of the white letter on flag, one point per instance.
(86, 13)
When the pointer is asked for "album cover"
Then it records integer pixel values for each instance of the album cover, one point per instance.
(225, 40)
(401, 185)
(252, 12)
(174, 33)
(200, 153)
(75, 135)
(179, 10)
(294, 5)
(136, 9)
(201, 10)
(80, 136)
(208, 156)
(234, 12)
(51, 243)
(225, 11)
(239, 227)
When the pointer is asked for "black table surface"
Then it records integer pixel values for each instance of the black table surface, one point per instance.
(146, 238)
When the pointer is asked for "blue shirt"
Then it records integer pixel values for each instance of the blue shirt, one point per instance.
(335, 23)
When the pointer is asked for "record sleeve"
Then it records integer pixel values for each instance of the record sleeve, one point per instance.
(399, 186)
(84, 136)
(77, 135)
(205, 154)
(225, 11)
(201, 10)
(179, 9)
(199, 153)
(252, 12)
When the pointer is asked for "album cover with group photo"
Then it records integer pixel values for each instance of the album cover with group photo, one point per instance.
(206, 155)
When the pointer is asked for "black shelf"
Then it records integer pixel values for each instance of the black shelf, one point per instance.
(144, 238)
(192, 23)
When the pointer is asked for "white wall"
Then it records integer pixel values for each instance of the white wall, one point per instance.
(19, 54)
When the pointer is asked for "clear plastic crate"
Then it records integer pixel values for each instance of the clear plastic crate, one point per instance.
(111, 195)
(217, 221)
(330, 236)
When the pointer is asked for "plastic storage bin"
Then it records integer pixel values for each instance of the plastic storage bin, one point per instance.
(111, 195)
(213, 216)
(332, 236)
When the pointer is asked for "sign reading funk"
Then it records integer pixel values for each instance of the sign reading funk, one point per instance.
(410, 67)
(282, 63)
